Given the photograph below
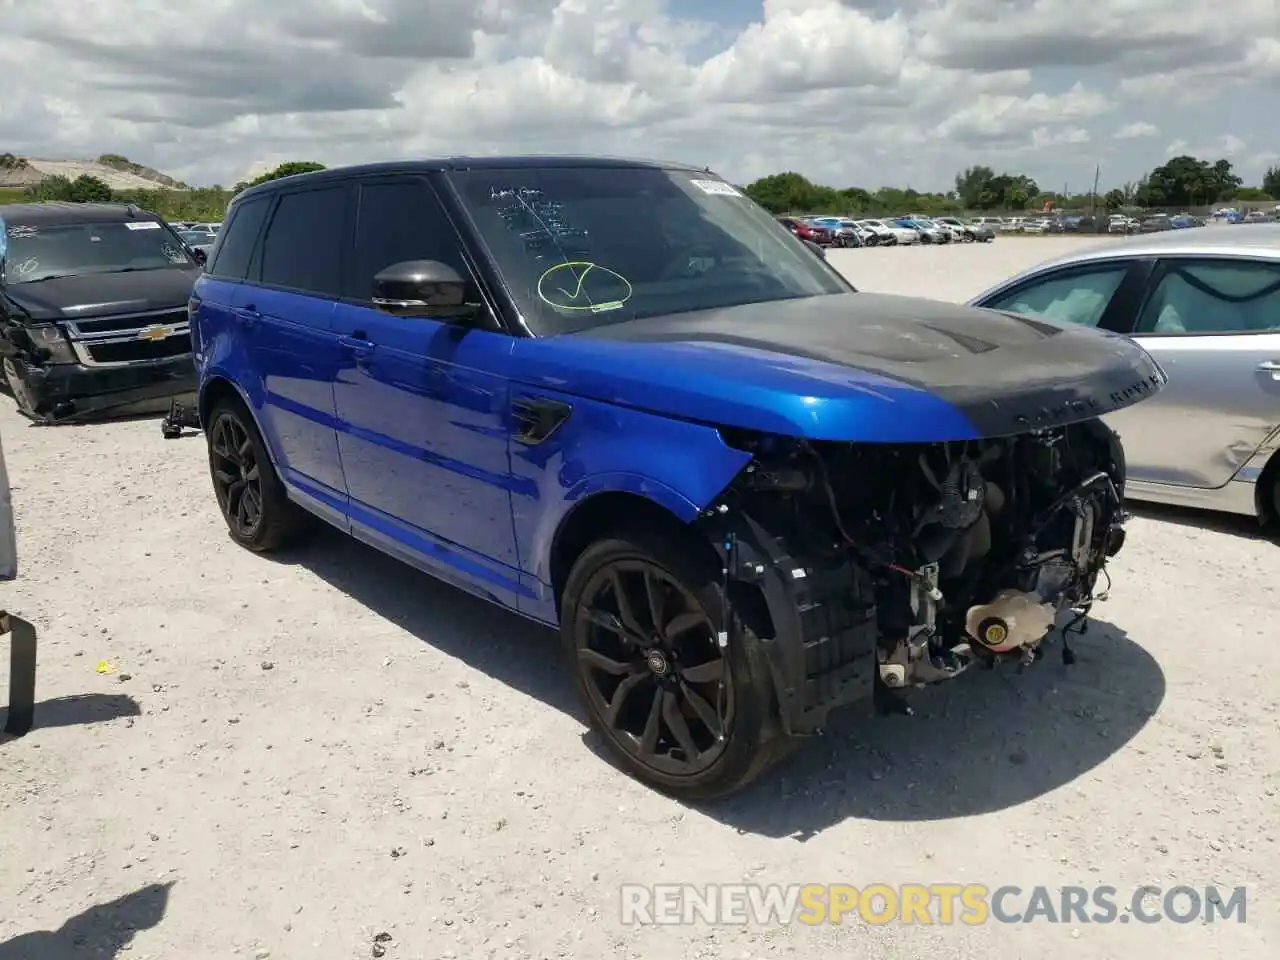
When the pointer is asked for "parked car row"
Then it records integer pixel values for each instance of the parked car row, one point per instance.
(826, 231)
(1234, 215)
(1152, 223)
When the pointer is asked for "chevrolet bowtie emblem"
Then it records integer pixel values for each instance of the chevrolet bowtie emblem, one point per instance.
(155, 332)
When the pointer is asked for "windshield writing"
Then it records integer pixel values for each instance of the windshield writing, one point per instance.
(583, 246)
(34, 253)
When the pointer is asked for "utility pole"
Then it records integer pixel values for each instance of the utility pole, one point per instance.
(1093, 195)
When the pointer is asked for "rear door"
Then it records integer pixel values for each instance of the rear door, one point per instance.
(286, 312)
(1213, 323)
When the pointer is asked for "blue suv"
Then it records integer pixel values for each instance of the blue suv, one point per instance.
(619, 398)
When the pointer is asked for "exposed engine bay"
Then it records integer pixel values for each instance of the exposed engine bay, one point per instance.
(961, 553)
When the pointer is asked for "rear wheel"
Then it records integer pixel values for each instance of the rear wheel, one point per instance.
(258, 513)
(642, 620)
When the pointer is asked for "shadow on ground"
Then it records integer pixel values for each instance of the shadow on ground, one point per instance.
(103, 932)
(984, 743)
(75, 710)
(1230, 523)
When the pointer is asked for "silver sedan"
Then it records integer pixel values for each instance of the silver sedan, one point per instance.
(1206, 305)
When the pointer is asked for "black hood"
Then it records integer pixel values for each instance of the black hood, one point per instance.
(104, 294)
(1006, 372)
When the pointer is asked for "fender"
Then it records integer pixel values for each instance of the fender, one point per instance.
(217, 375)
(601, 448)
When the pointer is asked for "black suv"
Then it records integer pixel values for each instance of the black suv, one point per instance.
(93, 309)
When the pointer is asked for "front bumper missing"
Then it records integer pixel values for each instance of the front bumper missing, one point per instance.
(817, 631)
(62, 393)
(22, 673)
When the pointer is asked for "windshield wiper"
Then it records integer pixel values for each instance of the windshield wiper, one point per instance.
(47, 276)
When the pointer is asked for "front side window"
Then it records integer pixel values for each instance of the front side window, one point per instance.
(399, 220)
(302, 249)
(579, 247)
(1208, 296)
(37, 252)
(1080, 297)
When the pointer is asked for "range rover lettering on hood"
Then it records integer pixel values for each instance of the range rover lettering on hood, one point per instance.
(1073, 410)
(1005, 372)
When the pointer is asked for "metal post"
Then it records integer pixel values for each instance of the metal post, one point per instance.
(22, 673)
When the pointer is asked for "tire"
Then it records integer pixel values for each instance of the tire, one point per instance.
(252, 500)
(12, 379)
(1269, 497)
(657, 671)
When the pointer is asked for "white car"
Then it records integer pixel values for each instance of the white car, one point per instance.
(901, 235)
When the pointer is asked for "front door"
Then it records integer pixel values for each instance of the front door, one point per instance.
(423, 406)
(1214, 325)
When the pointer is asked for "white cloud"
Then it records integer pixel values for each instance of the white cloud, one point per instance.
(847, 91)
(1139, 128)
(996, 117)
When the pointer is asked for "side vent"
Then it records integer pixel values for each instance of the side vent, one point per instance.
(536, 418)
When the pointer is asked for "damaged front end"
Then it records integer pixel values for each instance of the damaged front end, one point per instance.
(59, 375)
(864, 570)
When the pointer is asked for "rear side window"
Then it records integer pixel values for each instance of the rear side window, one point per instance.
(235, 251)
(303, 247)
(399, 220)
(1208, 296)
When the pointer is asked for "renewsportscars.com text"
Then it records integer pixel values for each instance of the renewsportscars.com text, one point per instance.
(936, 903)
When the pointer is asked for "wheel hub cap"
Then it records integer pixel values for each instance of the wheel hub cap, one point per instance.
(657, 662)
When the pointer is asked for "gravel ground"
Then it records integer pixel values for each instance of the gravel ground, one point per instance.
(327, 755)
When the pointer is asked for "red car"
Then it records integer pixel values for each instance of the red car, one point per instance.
(807, 231)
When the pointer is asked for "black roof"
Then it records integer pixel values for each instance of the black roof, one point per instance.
(62, 213)
(438, 164)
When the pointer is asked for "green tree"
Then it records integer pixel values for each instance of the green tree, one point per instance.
(1271, 182)
(788, 193)
(290, 169)
(1187, 181)
(1114, 200)
(972, 183)
(87, 189)
(1256, 194)
(50, 188)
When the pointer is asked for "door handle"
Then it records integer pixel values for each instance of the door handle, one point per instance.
(1269, 366)
(358, 346)
(248, 315)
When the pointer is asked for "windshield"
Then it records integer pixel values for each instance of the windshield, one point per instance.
(579, 246)
(36, 253)
(194, 237)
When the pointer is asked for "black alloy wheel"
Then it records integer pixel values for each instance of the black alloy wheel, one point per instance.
(237, 479)
(253, 501)
(653, 668)
(678, 704)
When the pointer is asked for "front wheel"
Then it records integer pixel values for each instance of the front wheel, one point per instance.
(661, 671)
(11, 379)
(253, 502)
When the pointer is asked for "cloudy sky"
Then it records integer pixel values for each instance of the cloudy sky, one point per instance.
(848, 92)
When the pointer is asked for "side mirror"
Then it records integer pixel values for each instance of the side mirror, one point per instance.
(817, 250)
(425, 288)
(200, 257)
